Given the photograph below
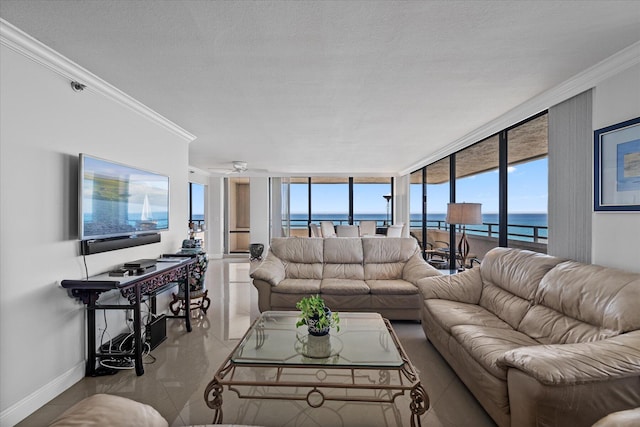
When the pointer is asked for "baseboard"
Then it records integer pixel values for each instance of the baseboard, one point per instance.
(215, 256)
(36, 400)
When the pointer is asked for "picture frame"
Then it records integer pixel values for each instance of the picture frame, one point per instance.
(617, 167)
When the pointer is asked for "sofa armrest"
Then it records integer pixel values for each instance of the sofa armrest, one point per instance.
(462, 287)
(271, 270)
(107, 409)
(567, 364)
(417, 268)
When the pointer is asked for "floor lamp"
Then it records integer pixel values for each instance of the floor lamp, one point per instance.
(463, 214)
(388, 197)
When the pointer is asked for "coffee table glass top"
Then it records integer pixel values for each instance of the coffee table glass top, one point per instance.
(363, 341)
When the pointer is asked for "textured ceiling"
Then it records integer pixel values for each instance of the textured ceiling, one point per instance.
(326, 87)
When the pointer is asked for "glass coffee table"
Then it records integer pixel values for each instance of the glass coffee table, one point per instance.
(364, 362)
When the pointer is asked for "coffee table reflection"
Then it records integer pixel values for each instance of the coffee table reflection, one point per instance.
(364, 362)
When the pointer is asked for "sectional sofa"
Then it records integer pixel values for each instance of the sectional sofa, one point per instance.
(351, 274)
(540, 341)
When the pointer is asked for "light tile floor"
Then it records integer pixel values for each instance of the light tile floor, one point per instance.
(174, 384)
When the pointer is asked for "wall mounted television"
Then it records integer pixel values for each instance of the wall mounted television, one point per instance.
(117, 201)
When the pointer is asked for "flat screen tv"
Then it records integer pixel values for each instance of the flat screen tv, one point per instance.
(118, 200)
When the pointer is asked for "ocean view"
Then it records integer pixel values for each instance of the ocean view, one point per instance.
(521, 225)
(526, 219)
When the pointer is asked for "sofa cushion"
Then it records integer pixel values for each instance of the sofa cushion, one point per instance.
(343, 271)
(386, 258)
(389, 249)
(392, 287)
(573, 305)
(593, 294)
(510, 279)
(396, 301)
(295, 270)
(552, 327)
(346, 250)
(356, 302)
(297, 286)
(452, 313)
(302, 258)
(343, 259)
(343, 287)
(307, 250)
(487, 345)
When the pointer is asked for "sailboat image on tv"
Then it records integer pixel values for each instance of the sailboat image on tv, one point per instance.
(146, 217)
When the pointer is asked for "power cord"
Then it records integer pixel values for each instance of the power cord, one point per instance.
(86, 269)
(121, 363)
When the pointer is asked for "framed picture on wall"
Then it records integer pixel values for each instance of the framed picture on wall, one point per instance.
(617, 167)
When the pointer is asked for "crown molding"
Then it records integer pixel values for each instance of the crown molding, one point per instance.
(577, 84)
(22, 43)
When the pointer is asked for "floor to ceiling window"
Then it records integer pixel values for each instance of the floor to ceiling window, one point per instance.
(527, 153)
(298, 206)
(477, 181)
(513, 197)
(342, 200)
(369, 202)
(330, 200)
(197, 223)
(417, 206)
(438, 195)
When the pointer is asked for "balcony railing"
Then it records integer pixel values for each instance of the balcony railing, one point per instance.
(523, 232)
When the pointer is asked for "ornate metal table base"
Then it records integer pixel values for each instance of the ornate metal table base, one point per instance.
(318, 384)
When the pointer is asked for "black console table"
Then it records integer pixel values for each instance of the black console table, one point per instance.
(134, 288)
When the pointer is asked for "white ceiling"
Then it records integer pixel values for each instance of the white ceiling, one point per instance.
(329, 87)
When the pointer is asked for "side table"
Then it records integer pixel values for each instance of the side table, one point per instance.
(198, 294)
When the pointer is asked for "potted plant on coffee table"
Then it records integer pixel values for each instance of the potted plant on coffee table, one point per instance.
(317, 316)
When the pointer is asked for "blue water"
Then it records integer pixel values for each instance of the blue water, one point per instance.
(527, 219)
(521, 225)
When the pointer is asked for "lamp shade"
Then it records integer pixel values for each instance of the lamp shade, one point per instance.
(464, 213)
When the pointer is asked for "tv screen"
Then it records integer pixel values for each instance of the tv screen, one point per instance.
(118, 200)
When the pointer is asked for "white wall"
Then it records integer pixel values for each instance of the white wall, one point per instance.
(215, 231)
(616, 236)
(259, 215)
(43, 127)
(401, 203)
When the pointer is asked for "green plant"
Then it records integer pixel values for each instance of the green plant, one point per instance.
(314, 307)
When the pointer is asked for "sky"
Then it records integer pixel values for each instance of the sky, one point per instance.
(527, 194)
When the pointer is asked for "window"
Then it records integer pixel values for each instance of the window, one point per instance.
(330, 200)
(368, 200)
(528, 150)
(196, 210)
(298, 201)
(343, 200)
(477, 181)
(196, 206)
(438, 195)
(417, 206)
(514, 198)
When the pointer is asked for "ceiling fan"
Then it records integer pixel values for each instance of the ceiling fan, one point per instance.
(236, 167)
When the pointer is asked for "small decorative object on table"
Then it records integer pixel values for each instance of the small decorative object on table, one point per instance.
(317, 316)
(256, 249)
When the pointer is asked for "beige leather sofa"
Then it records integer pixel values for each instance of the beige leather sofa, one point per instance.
(538, 340)
(109, 410)
(350, 274)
